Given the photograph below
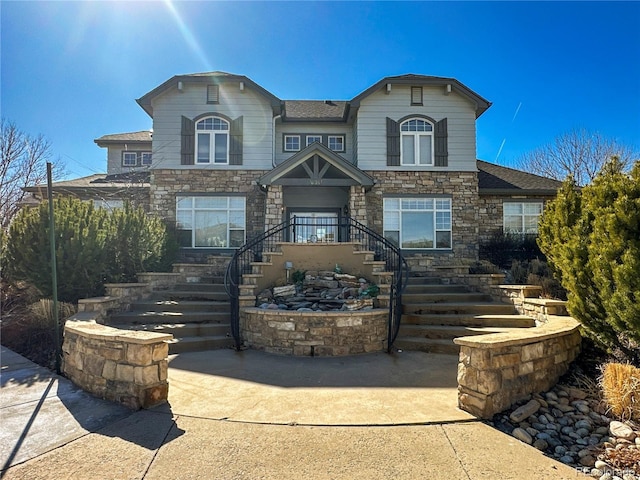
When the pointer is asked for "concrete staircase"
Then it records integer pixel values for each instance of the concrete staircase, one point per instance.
(435, 313)
(196, 313)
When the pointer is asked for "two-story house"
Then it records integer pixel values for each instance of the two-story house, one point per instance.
(228, 160)
(231, 160)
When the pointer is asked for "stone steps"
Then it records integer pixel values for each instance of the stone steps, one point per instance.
(434, 313)
(444, 297)
(463, 320)
(447, 331)
(180, 306)
(413, 288)
(469, 308)
(430, 345)
(196, 313)
(199, 344)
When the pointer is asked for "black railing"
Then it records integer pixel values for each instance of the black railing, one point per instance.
(319, 230)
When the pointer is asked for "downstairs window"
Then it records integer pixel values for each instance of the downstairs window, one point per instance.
(211, 221)
(418, 223)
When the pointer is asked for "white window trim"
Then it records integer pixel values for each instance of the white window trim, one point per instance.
(193, 209)
(284, 145)
(135, 159)
(416, 144)
(317, 138)
(334, 137)
(142, 155)
(523, 216)
(435, 210)
(212, 142)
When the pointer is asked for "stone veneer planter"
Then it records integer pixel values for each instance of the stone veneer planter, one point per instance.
(315, 333)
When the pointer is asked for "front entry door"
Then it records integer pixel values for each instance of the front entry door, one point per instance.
(314, 227)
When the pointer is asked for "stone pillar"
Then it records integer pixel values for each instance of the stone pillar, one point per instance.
(357, 204)
(274, 207)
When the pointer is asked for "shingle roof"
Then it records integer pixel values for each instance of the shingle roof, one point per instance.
(98, 180)
(327, 110)
(142, 136)
(496, 179)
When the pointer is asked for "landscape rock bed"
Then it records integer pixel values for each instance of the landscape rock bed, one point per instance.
(570, 425)
(320, 291)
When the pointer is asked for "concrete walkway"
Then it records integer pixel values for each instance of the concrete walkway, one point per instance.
(251, 415)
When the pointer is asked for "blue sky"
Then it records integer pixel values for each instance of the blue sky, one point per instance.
(72, 70)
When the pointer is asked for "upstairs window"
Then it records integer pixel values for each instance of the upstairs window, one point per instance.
(416, 146)
(336, 143)
(145, 158)
(522, 217)
(416, 95)
(313, 138)
(129, 159)
(212, 141)
(291, 143)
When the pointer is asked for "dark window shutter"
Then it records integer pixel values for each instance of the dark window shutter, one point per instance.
(441, 149)
(187, 141)
(235, 142)
(393, 143)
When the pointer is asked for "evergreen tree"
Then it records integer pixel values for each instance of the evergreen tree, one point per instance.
(592, 240)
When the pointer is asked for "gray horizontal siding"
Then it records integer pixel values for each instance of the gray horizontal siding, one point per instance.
(311, 129)
(257, 116)
(371, 126)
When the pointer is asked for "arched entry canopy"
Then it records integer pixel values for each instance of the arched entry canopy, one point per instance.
(316, 166)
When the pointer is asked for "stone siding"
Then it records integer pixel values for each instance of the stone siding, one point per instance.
(165, 184)
(118, 365)
(463, 189)
(490, 213)
(315, 333)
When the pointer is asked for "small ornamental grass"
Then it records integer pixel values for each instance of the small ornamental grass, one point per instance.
(620, 385)
(42, 314)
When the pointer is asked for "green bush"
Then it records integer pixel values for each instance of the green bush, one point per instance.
(537, 272)
(81, 255)
(137, 243)
(591, 237)
(93, 246)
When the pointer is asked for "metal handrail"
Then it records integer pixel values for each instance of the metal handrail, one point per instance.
(345, 229)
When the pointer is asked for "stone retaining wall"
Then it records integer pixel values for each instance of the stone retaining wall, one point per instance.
(315, 333)
(499, 369)
(129, 367)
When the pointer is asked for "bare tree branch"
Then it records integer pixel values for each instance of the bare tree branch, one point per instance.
(579, 152)
(23, 161)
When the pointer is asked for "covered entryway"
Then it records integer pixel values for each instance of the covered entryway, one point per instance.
(313, 227)
(315, 183)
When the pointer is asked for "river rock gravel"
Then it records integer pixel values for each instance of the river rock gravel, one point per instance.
(572, 426)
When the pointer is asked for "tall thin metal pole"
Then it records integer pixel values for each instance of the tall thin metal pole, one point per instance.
(54, 272)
